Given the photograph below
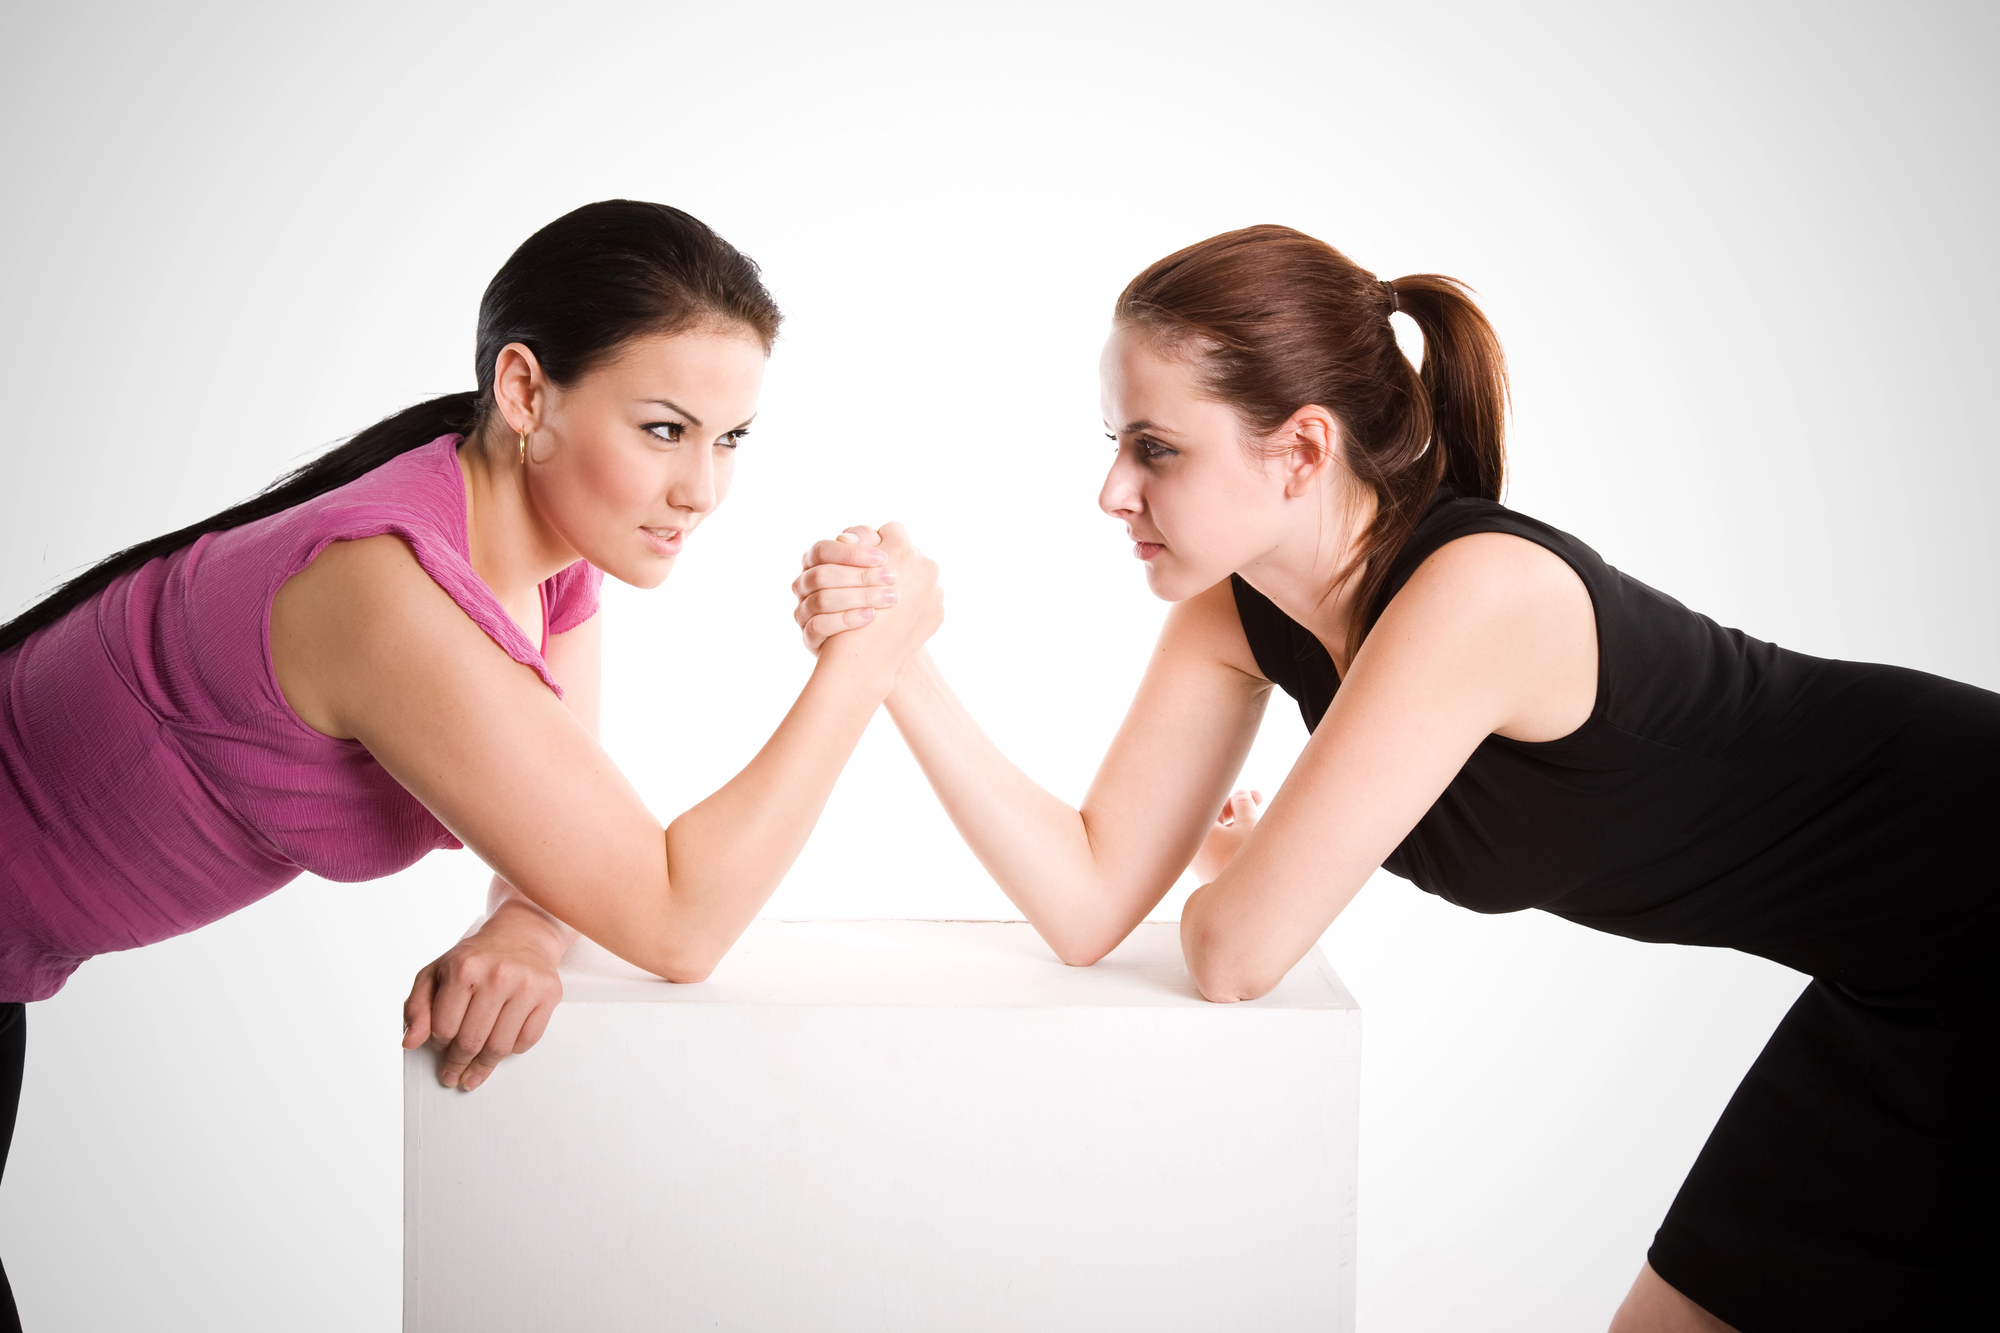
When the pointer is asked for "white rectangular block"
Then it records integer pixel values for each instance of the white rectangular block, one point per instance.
(890, 1126)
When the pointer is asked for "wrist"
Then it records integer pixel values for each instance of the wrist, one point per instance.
(856, 666)
(917, 675)
(519, 923)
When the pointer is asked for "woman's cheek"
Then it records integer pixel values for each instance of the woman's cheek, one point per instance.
(610, 500)
(620, 486)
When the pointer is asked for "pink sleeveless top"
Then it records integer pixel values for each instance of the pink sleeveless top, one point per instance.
(152, 776)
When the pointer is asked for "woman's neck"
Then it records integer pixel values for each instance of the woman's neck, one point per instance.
(513, 548)
(1300, 573)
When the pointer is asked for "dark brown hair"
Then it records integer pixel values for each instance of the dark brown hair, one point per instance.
(1273, 320)
(574, 294)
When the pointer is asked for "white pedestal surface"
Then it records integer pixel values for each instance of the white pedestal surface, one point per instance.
(896, 1125)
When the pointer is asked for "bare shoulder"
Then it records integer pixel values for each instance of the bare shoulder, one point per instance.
(356, 591)
(1208, 626)
(1505, 618)
(1497, 574)
(339, 623)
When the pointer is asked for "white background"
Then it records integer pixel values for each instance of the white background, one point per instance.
(1740, 257)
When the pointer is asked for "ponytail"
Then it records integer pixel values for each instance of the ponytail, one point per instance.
(575, 293)
(1464, 378)
(1272, 320)
(1452, 429)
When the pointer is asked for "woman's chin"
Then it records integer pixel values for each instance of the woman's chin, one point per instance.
(1170, 585)
(648, 571)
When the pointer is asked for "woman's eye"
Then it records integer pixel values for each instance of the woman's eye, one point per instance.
(1150, 450)
(670, 431)
(731, 440)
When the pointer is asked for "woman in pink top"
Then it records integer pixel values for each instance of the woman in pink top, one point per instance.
(396, 649)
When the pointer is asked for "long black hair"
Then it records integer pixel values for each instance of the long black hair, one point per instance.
(574, 293)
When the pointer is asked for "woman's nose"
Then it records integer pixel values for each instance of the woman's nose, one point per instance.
(693, 485)
(1119, 496)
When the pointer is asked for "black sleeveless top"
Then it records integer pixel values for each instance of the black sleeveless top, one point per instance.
(1830, 815)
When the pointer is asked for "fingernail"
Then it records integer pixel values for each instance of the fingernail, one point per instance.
(866, 613)
(877, 558)
(473, 1082)
(888, 597)
(888, 576)
(847, 537)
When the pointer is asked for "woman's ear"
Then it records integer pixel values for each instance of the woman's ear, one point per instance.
(1310, 443)
(519, 387)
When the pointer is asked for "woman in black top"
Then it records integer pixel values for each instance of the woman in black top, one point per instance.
(1509, 722)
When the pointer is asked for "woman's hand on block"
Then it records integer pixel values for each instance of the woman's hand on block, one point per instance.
(853, 578)
(1226, 836)
(488, 997)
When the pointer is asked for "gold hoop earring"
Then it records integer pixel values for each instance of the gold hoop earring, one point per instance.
(524, 447)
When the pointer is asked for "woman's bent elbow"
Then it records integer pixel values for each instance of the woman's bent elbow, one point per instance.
(1219, 971)
(1224, 986)
(684, 967)
(1080, 950)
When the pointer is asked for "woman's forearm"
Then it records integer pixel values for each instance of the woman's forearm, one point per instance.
(1037, 848)
(726, 855)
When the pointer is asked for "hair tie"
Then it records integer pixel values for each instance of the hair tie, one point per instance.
(1390, 287)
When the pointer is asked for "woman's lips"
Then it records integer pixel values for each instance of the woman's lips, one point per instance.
(664, 541)
(1147, 550)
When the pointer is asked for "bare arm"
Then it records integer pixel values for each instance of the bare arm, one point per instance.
(492, 994)
(369, 647)
(576, 659)
(1493, 634)
(1085, 877)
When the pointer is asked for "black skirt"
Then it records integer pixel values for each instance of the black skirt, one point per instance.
(1850, 1181)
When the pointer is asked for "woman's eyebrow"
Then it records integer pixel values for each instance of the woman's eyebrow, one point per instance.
(693, 420)
(1134, 427)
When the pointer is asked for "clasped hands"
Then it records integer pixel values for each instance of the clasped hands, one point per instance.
(852, 579)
